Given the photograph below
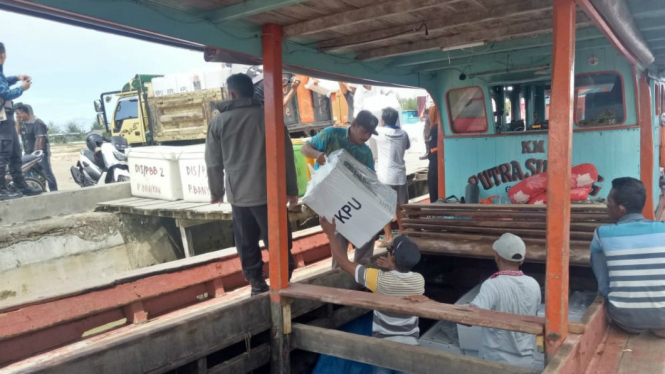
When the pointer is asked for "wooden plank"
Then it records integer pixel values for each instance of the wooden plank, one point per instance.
(499, 33)
(402, 357)
(244, 363)
(428, 309)
(172, 340)
(450, 20)
(609, 353)
(450, 223)
(493, 231)
(505, 215)
(559, 154)
(356, 16)
(246, 8)
(644, 353)
(574, 207)
(479, 247)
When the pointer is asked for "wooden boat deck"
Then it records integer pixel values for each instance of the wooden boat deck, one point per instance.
(623, 353)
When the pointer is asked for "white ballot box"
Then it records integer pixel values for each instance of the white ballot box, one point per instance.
(347, 191)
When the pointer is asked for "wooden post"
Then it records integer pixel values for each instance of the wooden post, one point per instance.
(277, 215)
(442, 159)
(559, 157)
(646, 144)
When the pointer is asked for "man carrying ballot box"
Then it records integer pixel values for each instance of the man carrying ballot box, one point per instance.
(351, 139)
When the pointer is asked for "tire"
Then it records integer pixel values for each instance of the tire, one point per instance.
(35, 183)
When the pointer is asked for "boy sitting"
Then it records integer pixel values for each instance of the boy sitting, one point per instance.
(510, 291)
(396, 280)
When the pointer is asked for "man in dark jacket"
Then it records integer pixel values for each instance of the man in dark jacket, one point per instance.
(10, 145)
(236, 145)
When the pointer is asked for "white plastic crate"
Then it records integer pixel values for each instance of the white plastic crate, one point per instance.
(154, 172)
(193, 173)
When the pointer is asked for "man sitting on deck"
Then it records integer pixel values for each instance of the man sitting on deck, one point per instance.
(510, 291)
(352, 140)
(397, 280)
(236, 145)
(628, 259)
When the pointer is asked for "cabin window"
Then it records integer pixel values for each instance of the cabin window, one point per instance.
(127, 109)
(467, 110)
(599, 99)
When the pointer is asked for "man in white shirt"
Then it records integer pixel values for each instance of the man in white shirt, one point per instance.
(392, 143)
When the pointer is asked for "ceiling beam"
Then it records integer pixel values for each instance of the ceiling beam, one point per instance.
(502, 57)
(245, 9)
(437, 24)
(494, 47)
(526, 29)
(356, 16)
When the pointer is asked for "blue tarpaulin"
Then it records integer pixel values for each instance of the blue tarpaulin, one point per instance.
(336, 365)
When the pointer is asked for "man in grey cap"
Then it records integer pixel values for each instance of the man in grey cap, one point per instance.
(510, 291)
(397, 279)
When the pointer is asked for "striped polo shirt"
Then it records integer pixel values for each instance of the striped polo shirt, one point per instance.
(392, 326)
(629, 262)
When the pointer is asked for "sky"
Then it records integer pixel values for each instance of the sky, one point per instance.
(70, 66)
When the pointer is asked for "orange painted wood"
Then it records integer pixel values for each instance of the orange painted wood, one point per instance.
(305, 104)
(215, 288)
(559, 154)
(275, 156)
(442, 159)
(21, 347)
(135, 313)
(609, 352)
(576, 353)
(646, 145)
(39, 316)
(599, 21)
(426, 309)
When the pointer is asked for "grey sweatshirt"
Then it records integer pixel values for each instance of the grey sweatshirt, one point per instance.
(236, 145)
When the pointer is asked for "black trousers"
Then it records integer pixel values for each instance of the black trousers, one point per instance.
(433, 176)
(48, 171)
(10, 149)
(250, 225)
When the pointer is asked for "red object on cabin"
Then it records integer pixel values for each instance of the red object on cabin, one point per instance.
(533, 190)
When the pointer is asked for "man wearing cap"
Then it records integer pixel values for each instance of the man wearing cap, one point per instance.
(352, 140)
(510, 291)
(397, 279)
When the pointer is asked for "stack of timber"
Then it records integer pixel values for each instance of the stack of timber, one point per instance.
(469, 230)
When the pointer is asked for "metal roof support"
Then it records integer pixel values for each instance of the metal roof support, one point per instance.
(646, 144)
(606, 29)
(559, 156)
(277, 214)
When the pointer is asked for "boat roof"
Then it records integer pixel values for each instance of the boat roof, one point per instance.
(402, 42)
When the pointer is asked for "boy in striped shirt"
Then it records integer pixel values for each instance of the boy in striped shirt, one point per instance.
(396, 280)
(628, 259)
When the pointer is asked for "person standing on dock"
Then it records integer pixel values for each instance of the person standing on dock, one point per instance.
(36, 139)
(397, 279)
(392, 143)
(10, 145)
(510, 291)
(236, 145)
(433, 154)
(628, 259)
(352, 140)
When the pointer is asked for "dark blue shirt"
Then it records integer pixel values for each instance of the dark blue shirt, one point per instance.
(7, 93)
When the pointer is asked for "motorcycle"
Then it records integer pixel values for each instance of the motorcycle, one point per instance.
(103, 162)
(32, 170)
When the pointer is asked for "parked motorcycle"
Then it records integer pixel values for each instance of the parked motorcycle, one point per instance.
(32, 170)
(103, 162)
